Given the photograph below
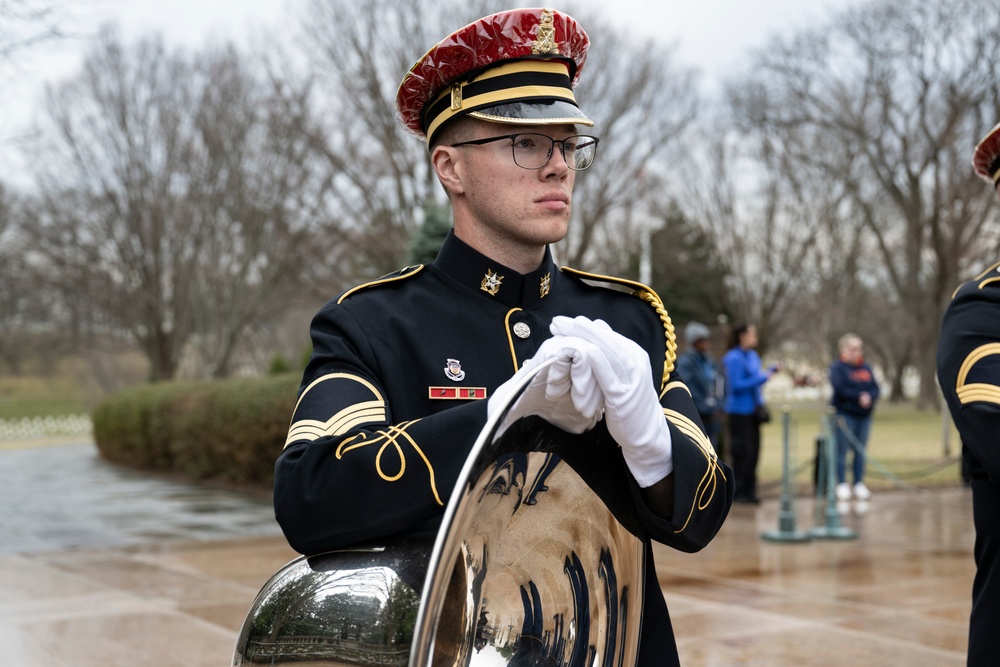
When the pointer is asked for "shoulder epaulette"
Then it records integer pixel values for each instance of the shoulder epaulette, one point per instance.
(402, 274)
(649, 296)
(990, 276)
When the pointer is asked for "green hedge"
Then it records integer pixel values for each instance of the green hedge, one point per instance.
(231, 430)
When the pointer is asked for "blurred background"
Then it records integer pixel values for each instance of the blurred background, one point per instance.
(182, 188)
(183, 185)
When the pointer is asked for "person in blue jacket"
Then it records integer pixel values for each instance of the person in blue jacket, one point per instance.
(744, 380)
(854, 394)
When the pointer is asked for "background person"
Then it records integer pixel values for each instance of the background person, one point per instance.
(854, 394)
(704, 378)
(744, 399)
(968, 364)
(405, 370)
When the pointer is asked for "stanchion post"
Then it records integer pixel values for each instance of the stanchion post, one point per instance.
(786, 515)
(831, 528)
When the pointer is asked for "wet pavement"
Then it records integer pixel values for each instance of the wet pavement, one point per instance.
(101, 566)
(63, 496)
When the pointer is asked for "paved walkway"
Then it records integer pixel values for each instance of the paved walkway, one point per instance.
(100, 566)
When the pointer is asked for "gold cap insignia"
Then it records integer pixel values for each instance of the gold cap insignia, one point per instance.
(545, 42)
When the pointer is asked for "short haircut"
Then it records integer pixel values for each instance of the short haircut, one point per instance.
(847, 339)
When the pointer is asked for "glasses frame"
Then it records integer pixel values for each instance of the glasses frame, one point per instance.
(553, 142)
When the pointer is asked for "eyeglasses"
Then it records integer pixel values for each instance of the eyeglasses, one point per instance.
(533, 151)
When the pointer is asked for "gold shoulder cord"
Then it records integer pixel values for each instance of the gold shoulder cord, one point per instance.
(709, 481)
(650, 297)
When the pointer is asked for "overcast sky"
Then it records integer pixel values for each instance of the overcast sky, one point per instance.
(710, 34)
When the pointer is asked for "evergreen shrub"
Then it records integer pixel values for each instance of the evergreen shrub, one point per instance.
(227, 430)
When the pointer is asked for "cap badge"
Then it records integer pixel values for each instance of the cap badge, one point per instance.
(491, 283)
(454, 370)
(543, 287)
(545, 42)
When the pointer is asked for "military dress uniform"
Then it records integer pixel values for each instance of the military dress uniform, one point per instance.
(398, 386)
(392, 400)
(968, 364)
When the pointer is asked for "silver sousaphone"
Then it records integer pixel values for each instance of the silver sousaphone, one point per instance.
(529, 568)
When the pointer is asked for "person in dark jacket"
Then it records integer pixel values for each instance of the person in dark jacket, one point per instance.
(855, 392)
(968, 364)
(704, 378)
(406, 370)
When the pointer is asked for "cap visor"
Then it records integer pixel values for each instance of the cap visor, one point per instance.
(556, 112)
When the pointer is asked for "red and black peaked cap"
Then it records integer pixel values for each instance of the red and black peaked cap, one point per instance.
(513, 67)
(986, 158)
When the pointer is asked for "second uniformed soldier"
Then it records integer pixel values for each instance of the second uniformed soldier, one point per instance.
(403, 369)
(968, 363)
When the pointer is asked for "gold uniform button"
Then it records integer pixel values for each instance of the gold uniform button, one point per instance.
(522, 330)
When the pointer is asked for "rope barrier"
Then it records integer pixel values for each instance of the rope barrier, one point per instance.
(827, 508)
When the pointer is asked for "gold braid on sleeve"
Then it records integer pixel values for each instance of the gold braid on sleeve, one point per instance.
(650, 297)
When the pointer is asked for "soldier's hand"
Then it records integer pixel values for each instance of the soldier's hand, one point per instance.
(632, 408)
(565, 393)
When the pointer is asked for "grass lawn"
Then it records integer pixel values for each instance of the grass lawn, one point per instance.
(42, 397)
(906, 447)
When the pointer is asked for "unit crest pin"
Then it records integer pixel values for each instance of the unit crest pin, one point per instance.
(454, 370)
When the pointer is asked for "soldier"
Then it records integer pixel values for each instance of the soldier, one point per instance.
(968, 363)
(403, 369)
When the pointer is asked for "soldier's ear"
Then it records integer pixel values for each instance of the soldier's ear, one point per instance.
(449, 166)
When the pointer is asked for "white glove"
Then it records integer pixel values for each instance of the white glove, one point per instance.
(565, 393)
(632, 407)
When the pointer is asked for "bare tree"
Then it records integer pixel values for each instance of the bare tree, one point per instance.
(27, 23)
(642, 101)
(15, 295)
(764, 220)
(903, 89)
(257, 198)
(382, 184)
(170, 204)
(639, 97)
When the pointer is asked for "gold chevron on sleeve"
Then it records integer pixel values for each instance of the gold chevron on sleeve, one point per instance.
(977, 391)
(369, 412)
(364, 412)
(676, 384)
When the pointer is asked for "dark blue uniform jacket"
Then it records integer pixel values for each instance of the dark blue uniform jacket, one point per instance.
(968, 365)
(393, 399)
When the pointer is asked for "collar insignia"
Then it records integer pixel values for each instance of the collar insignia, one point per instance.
(491, 283)
(545, 285)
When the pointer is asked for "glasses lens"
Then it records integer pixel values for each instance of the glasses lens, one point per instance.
(531, 151)
(580, 151)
